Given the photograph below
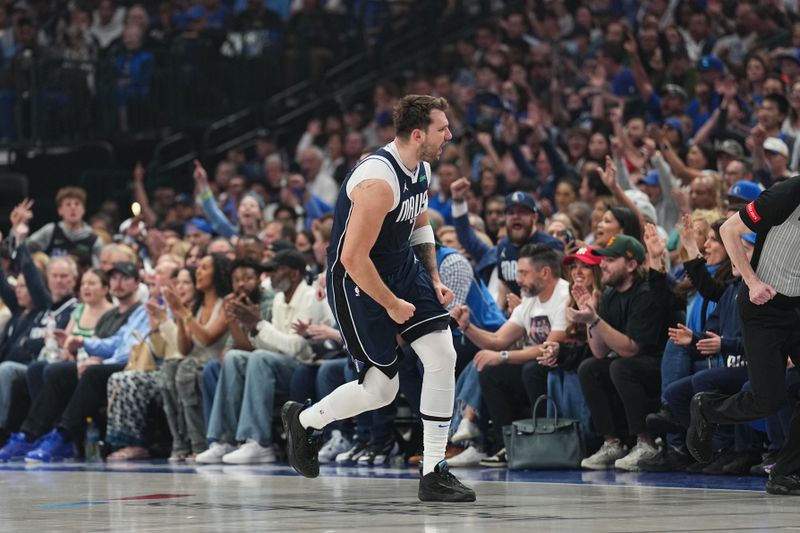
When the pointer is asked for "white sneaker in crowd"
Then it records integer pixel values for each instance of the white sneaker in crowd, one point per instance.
(337, 444)
(609, 452)
(213, 455)
(643, 450)
(353, 454)
(466, 430)
(469, 457)
(250, 452)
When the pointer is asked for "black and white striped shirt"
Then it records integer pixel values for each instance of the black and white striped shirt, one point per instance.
(775, 218)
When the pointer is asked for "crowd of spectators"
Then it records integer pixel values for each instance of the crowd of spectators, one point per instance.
(64, 57)
(597, 149)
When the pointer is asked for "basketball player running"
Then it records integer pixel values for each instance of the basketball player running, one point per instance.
(379, 288)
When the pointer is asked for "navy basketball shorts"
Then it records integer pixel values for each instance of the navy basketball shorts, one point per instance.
(370, 335)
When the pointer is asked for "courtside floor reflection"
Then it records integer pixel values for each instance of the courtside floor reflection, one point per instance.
(158, 496)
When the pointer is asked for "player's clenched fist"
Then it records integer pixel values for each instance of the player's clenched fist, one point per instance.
(401, 311)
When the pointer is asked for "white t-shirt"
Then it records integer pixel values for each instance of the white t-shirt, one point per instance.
(539, 318)
(377, 167)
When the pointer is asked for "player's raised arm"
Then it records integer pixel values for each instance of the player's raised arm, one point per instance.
(372, 200)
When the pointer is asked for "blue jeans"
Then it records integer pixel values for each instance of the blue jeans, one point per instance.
(10, 371)
(245, 395)
(303, 385)
(208, 386)
(679, 362)
(371, 426)
(468, 390)
(679, 394)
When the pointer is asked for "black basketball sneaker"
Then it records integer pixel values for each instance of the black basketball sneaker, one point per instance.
(302, 445)
(442, 486)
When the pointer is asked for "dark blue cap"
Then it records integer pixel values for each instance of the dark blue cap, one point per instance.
(746, 191)
(710, 62)
(184, 198)
(521, 198)
(200, 224)
(675, 124)
(651, 178)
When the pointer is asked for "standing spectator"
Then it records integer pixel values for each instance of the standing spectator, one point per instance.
(521, 217)
(134, 70)
(107, 23)
(70, 235)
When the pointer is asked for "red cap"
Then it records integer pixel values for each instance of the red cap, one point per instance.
(584, 255)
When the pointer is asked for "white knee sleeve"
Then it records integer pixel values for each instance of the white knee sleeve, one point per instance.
(380, 388)
(352, 399)
(438, 356)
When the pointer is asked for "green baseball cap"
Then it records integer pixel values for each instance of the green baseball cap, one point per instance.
(622, 246)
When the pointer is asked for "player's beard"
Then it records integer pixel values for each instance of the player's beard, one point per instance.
(428, 152)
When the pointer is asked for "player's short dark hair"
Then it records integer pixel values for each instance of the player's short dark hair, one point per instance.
(413, 112)
(542, 255)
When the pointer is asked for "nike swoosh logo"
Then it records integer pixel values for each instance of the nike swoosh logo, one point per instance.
(444, 425)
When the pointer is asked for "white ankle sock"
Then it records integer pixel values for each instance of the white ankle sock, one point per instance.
(434, 443)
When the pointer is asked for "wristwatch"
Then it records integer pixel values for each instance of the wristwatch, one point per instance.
(504, 356)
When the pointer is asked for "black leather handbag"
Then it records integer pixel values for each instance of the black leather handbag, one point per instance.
(544, 443)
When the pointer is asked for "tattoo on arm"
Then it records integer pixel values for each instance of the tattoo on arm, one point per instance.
(368, 184)
(426, 252)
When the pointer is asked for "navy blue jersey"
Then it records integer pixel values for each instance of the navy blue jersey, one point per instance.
(391, 250)
(368, 331)
(508, 256)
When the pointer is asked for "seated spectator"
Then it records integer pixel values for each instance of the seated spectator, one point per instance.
(246, 285)
(201, 333)
(624, 328)
(132, 390)
(250, 380)
(538, 318)
(318, 181)
(71, 392)
(27, 305)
